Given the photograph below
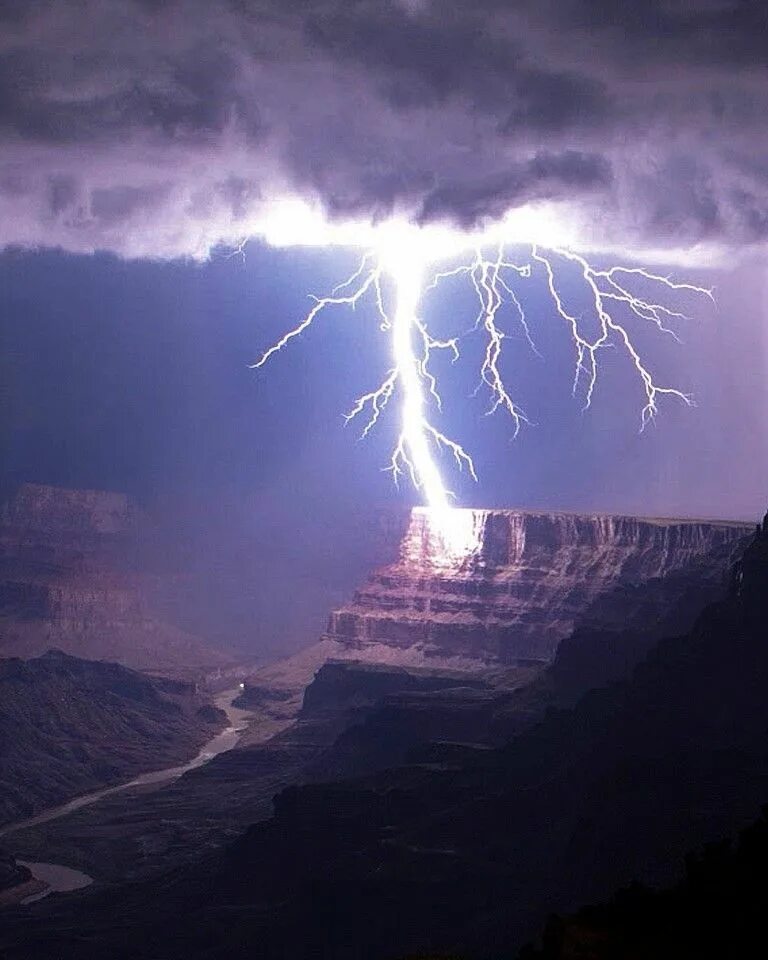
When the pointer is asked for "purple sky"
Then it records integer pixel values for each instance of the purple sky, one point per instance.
(134, 375)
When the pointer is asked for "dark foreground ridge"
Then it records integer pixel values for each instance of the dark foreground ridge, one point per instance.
(717, 911)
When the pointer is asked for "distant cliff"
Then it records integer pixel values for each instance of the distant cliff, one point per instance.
(521, 582)
(71, 578)
(51, 510)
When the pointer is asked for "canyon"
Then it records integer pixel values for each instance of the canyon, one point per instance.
(511, 586)
(464, 852)
(69, 725)
(410, 701)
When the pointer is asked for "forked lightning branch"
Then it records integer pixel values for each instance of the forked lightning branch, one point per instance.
(406, 261)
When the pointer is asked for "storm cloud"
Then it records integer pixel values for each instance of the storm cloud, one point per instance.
(161, 129)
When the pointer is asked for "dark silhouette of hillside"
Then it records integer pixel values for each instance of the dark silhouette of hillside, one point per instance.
(718, 910)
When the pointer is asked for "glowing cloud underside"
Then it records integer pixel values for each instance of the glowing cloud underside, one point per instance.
(403, 257)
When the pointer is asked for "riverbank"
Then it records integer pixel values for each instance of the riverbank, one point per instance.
(52, 877)
(55, 879)
(223, 741)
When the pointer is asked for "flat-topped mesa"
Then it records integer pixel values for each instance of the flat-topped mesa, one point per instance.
(72, 577)
(47, 527)
(501, 585)
(50, 509)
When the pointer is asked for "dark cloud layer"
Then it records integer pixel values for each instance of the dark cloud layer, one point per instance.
(162, 127)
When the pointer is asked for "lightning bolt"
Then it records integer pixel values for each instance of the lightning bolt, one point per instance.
(495, 279)
(603, 286)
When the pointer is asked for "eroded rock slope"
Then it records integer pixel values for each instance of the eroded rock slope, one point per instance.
(68, 726)
(517, 583)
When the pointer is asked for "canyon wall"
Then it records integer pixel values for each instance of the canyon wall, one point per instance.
(504, 585)
(71, 578)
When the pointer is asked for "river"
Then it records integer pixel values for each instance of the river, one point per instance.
(60, 879)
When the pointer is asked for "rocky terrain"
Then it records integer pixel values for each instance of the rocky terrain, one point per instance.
(519, 582)
(12, 874)
(465, 857)
(511, 586)
(466, 848)
(72, 578)
(448, 809)
(354, 717)
(146, 830)
(717, 910)
(69, 726)
(359, 716)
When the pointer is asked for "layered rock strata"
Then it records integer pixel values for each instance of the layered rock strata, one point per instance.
(502, 585)
(71, 578)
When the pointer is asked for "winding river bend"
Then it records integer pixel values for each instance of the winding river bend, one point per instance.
(61, 879)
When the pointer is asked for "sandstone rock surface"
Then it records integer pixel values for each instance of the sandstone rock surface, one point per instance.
(513, 584)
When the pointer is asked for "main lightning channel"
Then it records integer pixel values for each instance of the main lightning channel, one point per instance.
(406, 274)
(402, 258)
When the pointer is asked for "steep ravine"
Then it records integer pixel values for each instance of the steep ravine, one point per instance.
(52, 877)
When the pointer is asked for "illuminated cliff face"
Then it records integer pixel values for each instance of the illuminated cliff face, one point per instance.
(449, 540)
(517, 583)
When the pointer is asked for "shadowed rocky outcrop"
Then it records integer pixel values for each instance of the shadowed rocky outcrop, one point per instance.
(12, 873)
(717, 911)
